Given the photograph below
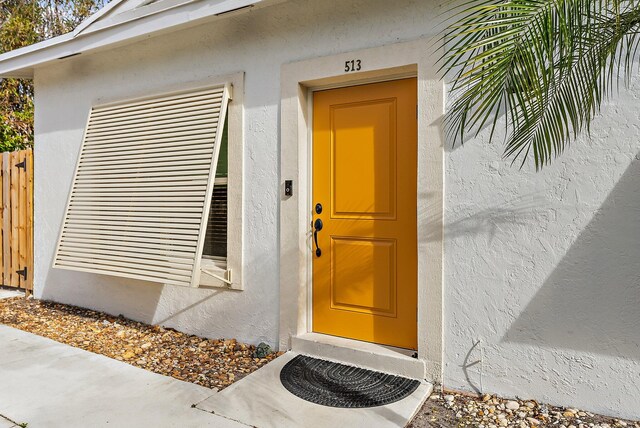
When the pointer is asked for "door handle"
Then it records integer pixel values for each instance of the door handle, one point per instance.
(317, 227)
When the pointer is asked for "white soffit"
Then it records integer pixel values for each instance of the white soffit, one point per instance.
(140, 198)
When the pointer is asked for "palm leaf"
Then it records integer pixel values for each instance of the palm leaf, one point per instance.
(546, 64)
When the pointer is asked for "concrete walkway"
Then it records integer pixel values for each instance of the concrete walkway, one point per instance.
(6, 423)
(47, 384)
(6, 293)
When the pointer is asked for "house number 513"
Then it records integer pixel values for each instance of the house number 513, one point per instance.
(352, 65)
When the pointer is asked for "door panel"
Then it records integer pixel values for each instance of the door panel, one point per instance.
(364, 176)
(364, 275)
(363, 133)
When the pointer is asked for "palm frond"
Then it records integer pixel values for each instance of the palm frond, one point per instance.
(546, 64)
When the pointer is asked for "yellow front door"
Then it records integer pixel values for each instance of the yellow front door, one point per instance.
(365, 197)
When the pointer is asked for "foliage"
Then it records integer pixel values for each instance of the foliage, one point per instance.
(22, 23)
(548, 64)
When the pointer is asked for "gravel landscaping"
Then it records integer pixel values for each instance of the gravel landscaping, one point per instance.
(449, 410)
(213, 363)
(217, 363)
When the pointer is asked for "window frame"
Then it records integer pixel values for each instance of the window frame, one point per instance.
(217, 273)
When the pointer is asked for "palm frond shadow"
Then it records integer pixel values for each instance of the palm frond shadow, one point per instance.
(520, 211)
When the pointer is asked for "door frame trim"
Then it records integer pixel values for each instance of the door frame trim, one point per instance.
(298, 82)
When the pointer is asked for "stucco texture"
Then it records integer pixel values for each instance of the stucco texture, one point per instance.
(541, 270)
(257, 43)
(541, 284)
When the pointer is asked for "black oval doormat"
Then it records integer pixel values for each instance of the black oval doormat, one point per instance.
(338, 385)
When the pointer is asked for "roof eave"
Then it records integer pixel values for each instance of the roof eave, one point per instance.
(21, 63)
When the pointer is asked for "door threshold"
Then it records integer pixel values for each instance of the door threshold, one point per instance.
(367, 355)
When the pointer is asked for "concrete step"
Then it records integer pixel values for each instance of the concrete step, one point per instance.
(260, 400)
(361, 354)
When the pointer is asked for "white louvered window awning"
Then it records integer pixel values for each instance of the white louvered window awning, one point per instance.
(140, 198)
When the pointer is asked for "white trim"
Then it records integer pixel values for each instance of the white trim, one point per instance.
(235, 192)
(130, 15)
(96, 16)
(309, 214)
(415, 58)
(204, 220)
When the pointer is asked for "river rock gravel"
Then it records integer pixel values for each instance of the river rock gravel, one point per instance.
(213, 363)
(455, 410)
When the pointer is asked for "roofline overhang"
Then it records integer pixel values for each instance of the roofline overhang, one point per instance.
(21, 63)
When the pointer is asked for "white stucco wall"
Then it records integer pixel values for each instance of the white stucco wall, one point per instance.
(540, 269)
(257, 43)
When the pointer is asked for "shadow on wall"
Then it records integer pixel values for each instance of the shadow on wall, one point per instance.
(520, 211)
(134, 299)
(204, 311)
(591, 300)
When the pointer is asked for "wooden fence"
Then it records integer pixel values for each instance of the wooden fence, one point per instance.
(16, 264)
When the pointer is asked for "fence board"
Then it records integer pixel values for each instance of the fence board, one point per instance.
(22, 208)
(6, 219)
(16, 218)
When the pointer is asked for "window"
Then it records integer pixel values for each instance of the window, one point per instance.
(221, 264)
(143, 187)
(215, 242)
